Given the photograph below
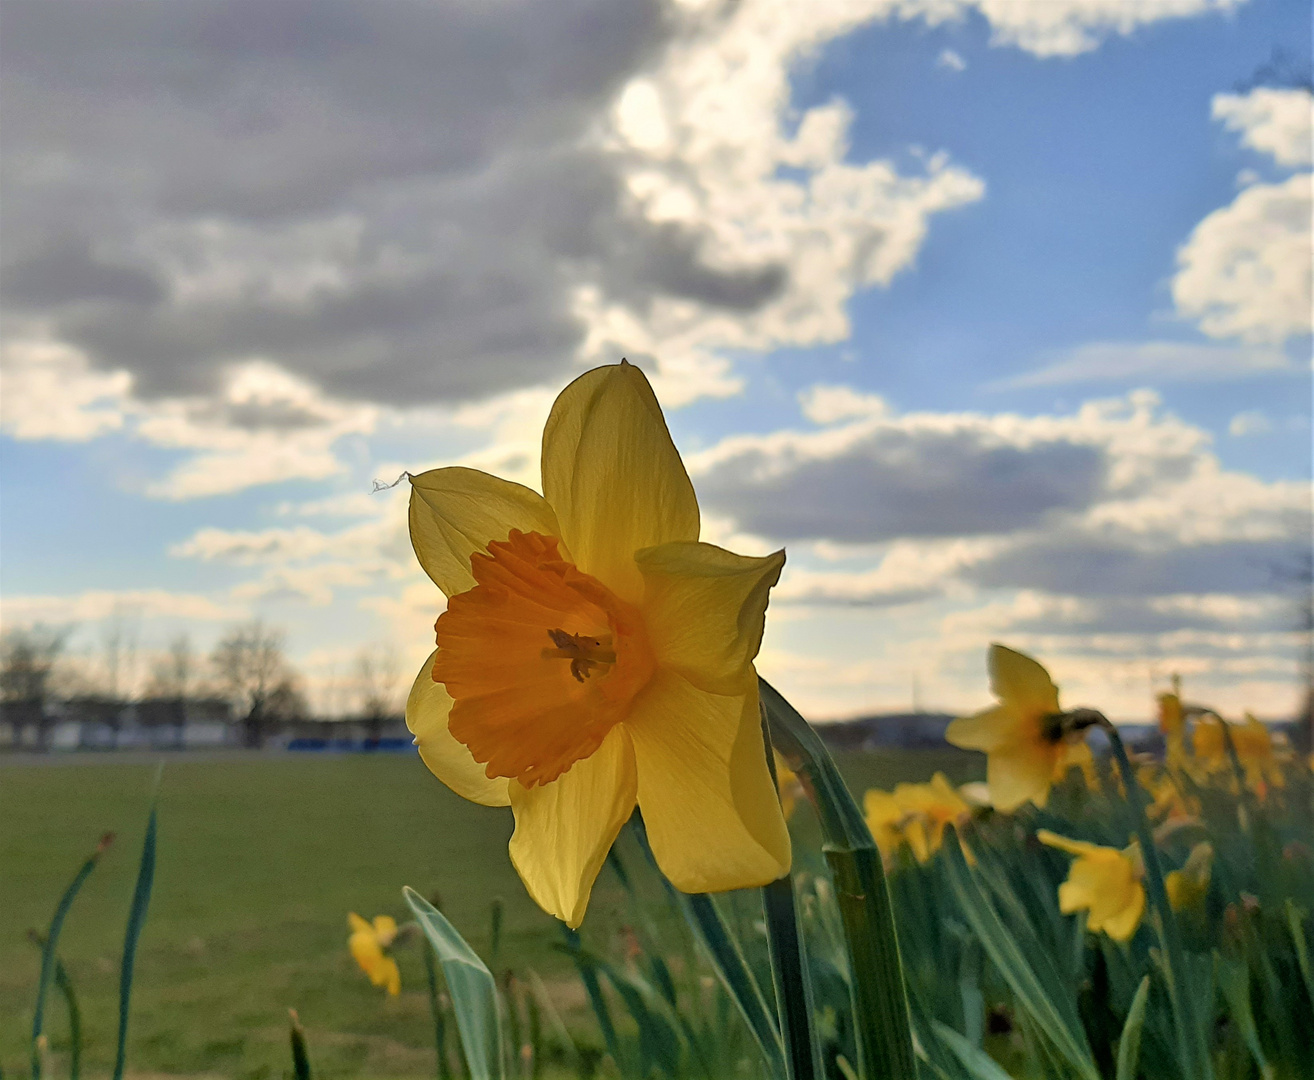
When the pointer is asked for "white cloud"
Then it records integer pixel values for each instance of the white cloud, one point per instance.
(707, 148)
(1250, 422)
(1245, 271)
(1155, 361)
(97, 604)
(1271, 120)
(51, 392)
(951, 60)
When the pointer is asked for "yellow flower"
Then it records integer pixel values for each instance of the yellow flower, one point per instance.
(1188, 886)
(1172, 724)
(367, 944)
(595, 655)
(928, 808)
(1025, 746)
(1104, 881)
(885, 820)
(1254, 750)
(789, 786)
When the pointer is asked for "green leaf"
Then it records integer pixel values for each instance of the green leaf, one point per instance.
(473, 990)
(1296, 925)
(978, 1064)
(1044, 999)
(1129, 1045)
(1234, 981)
(141, 898)
(300, 1053)
(48, 956)
(882, 1025)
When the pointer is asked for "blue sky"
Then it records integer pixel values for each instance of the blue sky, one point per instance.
(950, 308)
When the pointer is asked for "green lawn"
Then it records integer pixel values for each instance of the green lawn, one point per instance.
(260, 859)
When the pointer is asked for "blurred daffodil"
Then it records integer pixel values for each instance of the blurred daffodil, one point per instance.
(789, 786)
(1188, 886)
(928, 808)
(884, 820)
(369, 943)
(1103, 881)
(1254, 750)
(1025, 742)
(1172, 725)
(594, 655)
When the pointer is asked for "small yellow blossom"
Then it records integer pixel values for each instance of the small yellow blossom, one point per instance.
(1188, 886)
(368, 943)
(789, 786)
(595, 655)
(928, 808)
(1105, 882)
(1254, 750)
(1024, 743)
(884, 819)
(1172, 725)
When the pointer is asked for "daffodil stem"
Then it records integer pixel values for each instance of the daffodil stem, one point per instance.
(1195, 1060)
(882, 1026)
(788, 966)
(444, 1067)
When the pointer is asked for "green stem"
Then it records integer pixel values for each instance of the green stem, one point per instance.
(65, 985)
(436, 1011)
(882, 1026)
(1194, 1056)
(788, 966)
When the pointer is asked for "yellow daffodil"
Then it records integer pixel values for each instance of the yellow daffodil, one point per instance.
(367, 944)
(1105, 882)
(1025, 744)
(789, 786)
(1172, 725)
(928, 808)
(1188, 886)
(1254, 750)
(594, 655)
(884, 820)
(1168, 803)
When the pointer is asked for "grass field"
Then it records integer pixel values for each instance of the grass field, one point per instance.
(260, 859)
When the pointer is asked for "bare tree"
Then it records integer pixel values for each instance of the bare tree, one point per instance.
(252, 671)
(27, 664)
(377, 675)
(172, 684)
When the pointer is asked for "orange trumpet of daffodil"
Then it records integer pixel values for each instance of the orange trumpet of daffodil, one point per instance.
(1027, 748)
(367, 944)
(1104, 881)
(594, 655)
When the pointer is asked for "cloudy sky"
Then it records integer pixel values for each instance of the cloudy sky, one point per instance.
(994, 313)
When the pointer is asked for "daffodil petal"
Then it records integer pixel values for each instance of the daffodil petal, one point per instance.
(564, 829)
(1063, 843)
(426, 716)
(613, 476)
(712, 814)
(385, 929)
(456, 511)
(365, 949)
(986, 730)
(358, 924)
(1019, 680)
(704, 609)
(1016, 775)
(1122, 925)
(392, 976)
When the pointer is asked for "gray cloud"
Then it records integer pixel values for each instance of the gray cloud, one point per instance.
(905, 483)
(393, 199)
(1081, 565)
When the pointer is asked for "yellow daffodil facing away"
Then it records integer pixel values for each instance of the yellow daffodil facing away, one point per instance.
(917, 813)
(1105, 882)
(1254, 749)
(1188, 886)
(594, 655)
(367, 944)
(1026, 746)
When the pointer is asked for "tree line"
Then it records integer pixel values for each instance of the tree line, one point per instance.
(245, 680)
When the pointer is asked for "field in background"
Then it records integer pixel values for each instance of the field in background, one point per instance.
(260, 859)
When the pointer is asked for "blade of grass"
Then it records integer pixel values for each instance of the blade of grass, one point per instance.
(976, 1062)
(880, 1002)
(588, 975)
(300, 1054)
(50, 943)
(473, 990)
(443, 1066)
(1129, 1045)
(141, 898)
